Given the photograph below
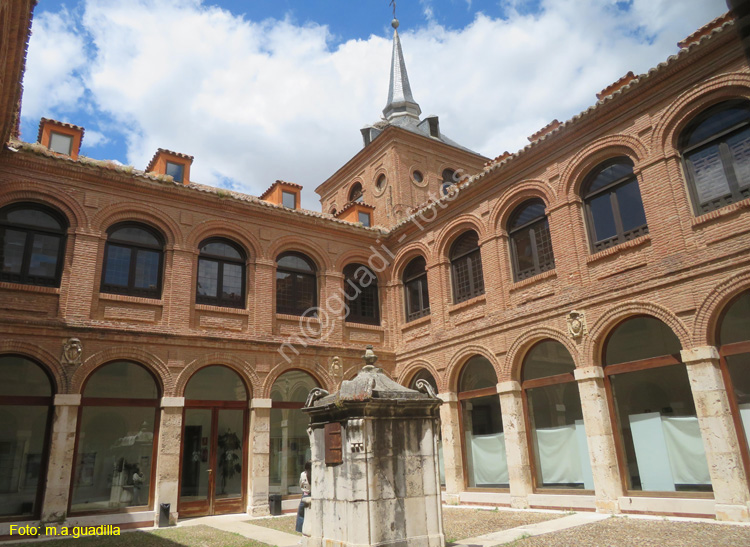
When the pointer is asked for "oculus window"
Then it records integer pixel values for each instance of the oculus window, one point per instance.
(133, 261)
(221, 274)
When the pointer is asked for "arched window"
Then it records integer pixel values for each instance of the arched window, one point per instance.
(482, 425)
(290, 444)
(660, 439)
(115, 454)
(214, 454)
(733, 339)
(531, 245)
(416, 296)
(715, 147)
(466, 267)
(614, 209)
(556, 432)
(356, 193)
(449, 179)
(133, 261)
(296, 284)
(221, 274)
(361, 287)
(25, 411)
(33, 244)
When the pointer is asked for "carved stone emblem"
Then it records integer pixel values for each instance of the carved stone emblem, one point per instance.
(336, 370)
(577, 324)
(72, 351)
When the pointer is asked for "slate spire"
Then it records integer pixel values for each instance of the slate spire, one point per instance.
(400, 100)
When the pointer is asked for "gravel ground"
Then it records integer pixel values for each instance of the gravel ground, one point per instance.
(458, 523)
(629, 532)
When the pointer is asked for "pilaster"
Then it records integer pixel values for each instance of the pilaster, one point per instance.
(516, 445)
(260, 453)
(168, 460)
(451, 437)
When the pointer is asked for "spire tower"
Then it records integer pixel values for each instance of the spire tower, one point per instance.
(400, 100)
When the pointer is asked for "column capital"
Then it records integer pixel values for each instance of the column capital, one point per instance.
(449, 397)
(172, 402)
(700, 354)
(67, 399)
(260, 403)
(511, 386)
(588, 373)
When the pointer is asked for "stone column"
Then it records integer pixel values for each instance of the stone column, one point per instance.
(516, 445)
(719, 434)
(451, 436)
(168, 458)
(260, 454)
(60, 467)
(600, 438)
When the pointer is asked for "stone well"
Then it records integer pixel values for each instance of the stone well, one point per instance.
(375, 477)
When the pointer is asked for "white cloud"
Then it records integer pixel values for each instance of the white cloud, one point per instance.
(95, 138)
(257, 101)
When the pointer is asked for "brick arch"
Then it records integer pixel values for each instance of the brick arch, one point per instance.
(316, 370)
(453, 230)
(125, 353)
(594, 342)
(707, 317)
(521, 192)
(610, 146)
(74, 212)
(241, 367)
(36, 353)
(307, 247)
(692, 102)
(220, 228)
(358, 256)
(457, 362)
(521, 345)
(138, 212)
(408, 371)
(406, 255)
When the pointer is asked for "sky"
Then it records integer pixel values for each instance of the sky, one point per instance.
(260, 90)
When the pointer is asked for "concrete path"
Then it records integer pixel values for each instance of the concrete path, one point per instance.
(507, 536)
(239, 525)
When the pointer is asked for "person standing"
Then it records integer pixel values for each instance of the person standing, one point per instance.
(137, 484)
(304, 484)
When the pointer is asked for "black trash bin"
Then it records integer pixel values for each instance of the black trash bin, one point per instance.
(164, 514)
(274, 504)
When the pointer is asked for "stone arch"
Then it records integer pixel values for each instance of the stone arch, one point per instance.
(36, 353)
(452, 372)
(601, 328)
(610, 146)
(316, 370)
(74, 212)
(220, 228)
(520, 193)
(709, 312)
(453, 230)
(155, 365)
(293, 243)
(406, 255)
(241, 367)
(692, 102)
(408, 371)
(138, 212)
(521, 345)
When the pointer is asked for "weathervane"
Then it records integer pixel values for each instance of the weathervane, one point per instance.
(393, 3)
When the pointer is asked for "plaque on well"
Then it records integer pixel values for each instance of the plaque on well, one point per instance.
(333, 443)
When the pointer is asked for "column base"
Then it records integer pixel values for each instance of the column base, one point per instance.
(259, 510)
(519, 502)
(451, 499)
(734, 513)
(611, 507)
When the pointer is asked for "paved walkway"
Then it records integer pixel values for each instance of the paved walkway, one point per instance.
(239, 525)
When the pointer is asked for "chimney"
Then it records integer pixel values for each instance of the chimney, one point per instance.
(61, 138)
(166, 162)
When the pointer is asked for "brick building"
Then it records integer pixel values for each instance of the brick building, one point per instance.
(582, 307)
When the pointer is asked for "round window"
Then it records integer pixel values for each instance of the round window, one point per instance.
(380, 183)
(417, 176)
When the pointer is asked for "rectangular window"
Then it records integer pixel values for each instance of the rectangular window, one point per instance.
(364, 218)
(289, 199)
(60, 143)
(175, 170)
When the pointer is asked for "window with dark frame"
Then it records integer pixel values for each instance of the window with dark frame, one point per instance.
(133, 261)
(416, 294)
(221, 274)
(614, 209)
(449, 179)
(715, 149)
(530, 241)
(361, 288)
(60, 143)
(33, 244)
(364, 218)
(296, 284)
(356, 193)
(175, 170)
(289, 199)
(466, 267)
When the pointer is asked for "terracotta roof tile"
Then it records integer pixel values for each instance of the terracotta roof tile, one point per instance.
(551, 126)
(59, 124)
(151, 164)
(611, 88)
(268, 191)
(352, 204)
(705, 30)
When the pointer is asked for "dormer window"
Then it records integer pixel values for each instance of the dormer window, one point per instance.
(289, 199)
(364, 218)
(60, 143)
(176, 171)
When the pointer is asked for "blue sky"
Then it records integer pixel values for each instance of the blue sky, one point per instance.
(262, 90)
